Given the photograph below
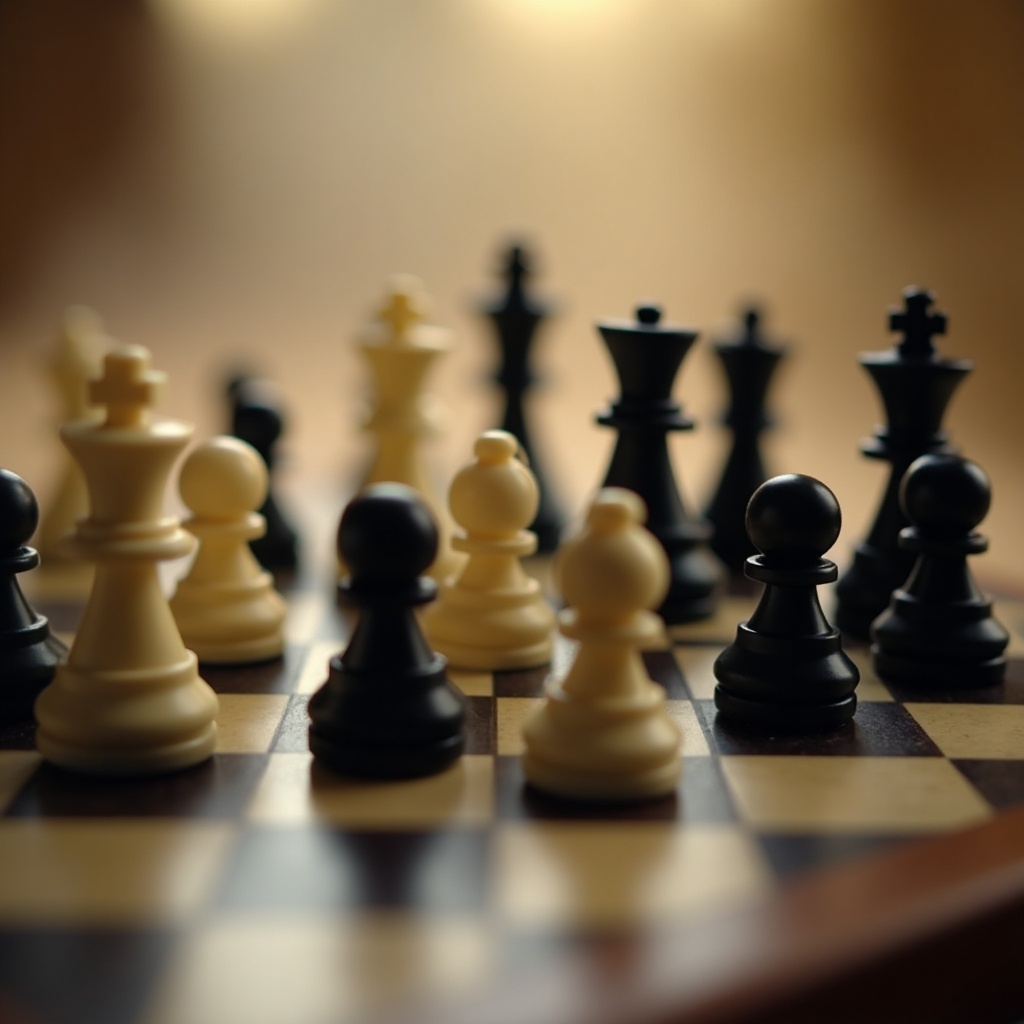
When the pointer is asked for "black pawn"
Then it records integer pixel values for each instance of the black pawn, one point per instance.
(938, 631)
(28, 653)
(647, 357)
(786, 671)
(256, 418)
(387, 709)
(749, 361)
(916, 384)
(516, 315)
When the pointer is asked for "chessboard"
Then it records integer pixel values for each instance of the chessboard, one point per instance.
(874, 873)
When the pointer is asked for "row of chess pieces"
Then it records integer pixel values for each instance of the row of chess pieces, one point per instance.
(785, 672)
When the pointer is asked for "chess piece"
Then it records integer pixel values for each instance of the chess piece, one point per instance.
(387, 709)
(749, 361)
(604, 732)
(647, 356)
(75, 361)
(516, 316)
(916, 385)
(786, 671)
(938, 631)
(29, 654)
(491, 615)
(257, 418)
(401, 348)
(226, 608)
(129, 700)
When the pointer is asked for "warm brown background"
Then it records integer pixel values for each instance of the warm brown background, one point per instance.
(237, 178)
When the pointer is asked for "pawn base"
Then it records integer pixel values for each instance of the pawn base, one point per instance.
(785, 719)
(382, 762)
(601, 787)
(947, 674)
(173, 757)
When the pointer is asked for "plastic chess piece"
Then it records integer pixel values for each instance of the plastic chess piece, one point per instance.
(938, 631)
(401, 348)
(491, 615)
(786, 671)
(226, 608)
(749, 361)
(129, 700)
(258, 419)
(647, 356)
(387, 709)
(75, 361)
(916, 385)
(604, 732)
(29, 654)
(517, 315)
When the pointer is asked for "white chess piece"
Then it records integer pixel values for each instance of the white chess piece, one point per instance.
(401, 349)
(129, 700)
(604, 732)
(226, 607)
(492, 615)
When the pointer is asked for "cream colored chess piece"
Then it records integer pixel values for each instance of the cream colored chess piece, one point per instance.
(129, 700)
(492, 615)
(401, 348)
(226, 607)
(604, 732)
(75, 361)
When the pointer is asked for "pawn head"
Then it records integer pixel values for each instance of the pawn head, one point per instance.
(945, 495)
(19, 512)
(793, 517)
(496, 494)
(223, 479)
(387, 533)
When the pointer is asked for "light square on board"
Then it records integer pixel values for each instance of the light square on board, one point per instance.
(851, 794)
(975, 731)
(294, 790)
(472, 684)
(247, 722)
(108, 872)
(316, 665)
(602, 874)
(306, 968)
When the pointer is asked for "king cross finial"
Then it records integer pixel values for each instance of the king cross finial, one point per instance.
(404, 307)
(127, 388)
(917, 324)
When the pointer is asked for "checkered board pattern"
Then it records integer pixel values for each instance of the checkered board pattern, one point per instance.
(259, 888)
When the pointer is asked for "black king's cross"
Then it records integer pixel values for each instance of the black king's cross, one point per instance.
(918, 325)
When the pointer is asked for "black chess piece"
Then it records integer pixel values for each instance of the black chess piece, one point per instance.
(786, 671)
(29, 654)
(387, 709)
(916, 385)
(257, 418)
(516, 316)
(647, 357)
(938, 631)
(749, 361)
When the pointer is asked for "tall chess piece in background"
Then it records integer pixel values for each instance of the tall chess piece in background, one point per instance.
(916, 385)
(517, 314)
(647, 356)
(75, 361)
(749, 360)
(29, 653)
(129, 700)
(401, 349)
(257, 417)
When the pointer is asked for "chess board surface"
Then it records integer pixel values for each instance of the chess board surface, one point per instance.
(259, 887)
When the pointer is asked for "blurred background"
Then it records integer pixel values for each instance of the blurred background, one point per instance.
(233, 181)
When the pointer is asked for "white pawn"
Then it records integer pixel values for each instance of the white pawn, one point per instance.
(604, 732)
(129, 700)
(226, 607)
(492, 615)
